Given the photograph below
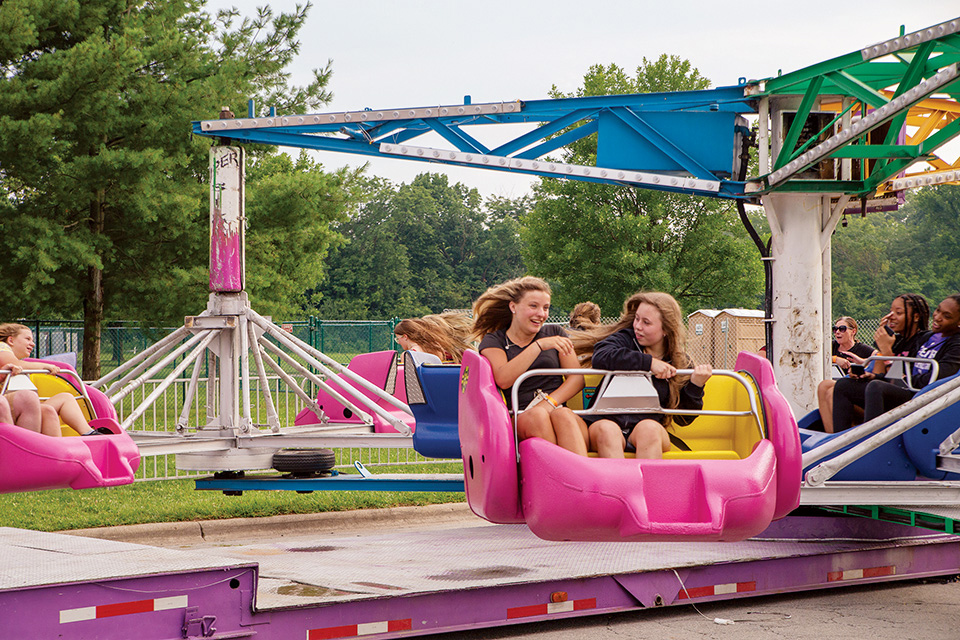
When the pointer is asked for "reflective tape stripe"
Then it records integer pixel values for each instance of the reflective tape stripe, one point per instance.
(717, 590)
(362, 629)
(122, 609)
(551, 607)
(859, 574)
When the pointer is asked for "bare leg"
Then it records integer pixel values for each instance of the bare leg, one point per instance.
(68, 409)
(607, 439)
(5, 415)
(535, 423)
(650, 439)
(25, 409)
(825, 402)
(570, 429)
(49, 421)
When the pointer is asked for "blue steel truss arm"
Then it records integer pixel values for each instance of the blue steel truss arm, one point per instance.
(560, 141)
(649, 158)
(641, 126)
(457, 137)
(645, 140)
(546, 130)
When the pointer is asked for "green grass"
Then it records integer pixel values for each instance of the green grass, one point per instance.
(177, 501)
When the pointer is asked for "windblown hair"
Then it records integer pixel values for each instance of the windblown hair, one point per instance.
(917, 312)
(443, 335)
(585, 315)
(458, 322)
(674, 335)
(10, 329)
(491, 311)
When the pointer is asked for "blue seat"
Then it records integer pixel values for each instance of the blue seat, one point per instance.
(432, 390)
(888, 462)
(922, 443)
(904, 458)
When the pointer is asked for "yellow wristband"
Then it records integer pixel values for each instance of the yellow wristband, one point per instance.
(551, 400)
(834, 359)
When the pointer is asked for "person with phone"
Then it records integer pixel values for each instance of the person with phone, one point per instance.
(846, 349)
(873, 390)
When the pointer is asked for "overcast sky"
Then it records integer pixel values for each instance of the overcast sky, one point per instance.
(409, 53)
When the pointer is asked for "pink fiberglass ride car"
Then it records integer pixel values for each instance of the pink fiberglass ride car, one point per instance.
(742, 472)
(30, 461)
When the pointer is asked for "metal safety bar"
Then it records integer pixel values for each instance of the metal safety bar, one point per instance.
(750, 389)
(63, 372)
(908, 371)
(909, 414)
(327, 366)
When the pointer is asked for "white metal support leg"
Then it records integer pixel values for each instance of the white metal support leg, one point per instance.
(797, 222)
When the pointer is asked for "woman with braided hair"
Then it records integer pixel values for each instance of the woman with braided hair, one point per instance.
(902, 332)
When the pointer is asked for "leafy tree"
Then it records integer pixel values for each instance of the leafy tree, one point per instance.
(104, 189)
(420, 248)
(913, 250)
(604, 242)
(935, 235)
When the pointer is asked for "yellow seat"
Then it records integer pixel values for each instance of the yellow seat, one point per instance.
(716, 437)
(49, 385)
(720, 437)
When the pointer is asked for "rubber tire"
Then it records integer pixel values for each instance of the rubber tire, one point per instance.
(304, 460)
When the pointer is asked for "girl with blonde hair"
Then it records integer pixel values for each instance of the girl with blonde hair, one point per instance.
(648, 337)
(436, 334)
(16, 343)
(510, 321)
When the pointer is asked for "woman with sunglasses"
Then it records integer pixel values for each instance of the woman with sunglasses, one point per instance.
(844, 343)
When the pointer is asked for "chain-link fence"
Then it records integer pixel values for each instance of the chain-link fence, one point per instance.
(716, 337)
(343, 339)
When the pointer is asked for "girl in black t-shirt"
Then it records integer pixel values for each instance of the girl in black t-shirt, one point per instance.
(510, 321)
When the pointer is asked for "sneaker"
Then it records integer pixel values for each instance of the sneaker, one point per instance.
(99, 431)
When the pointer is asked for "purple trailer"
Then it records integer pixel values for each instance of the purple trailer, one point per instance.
(392, 584)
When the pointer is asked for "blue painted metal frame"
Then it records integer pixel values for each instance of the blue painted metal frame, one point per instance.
(664, 155)
(560, 121)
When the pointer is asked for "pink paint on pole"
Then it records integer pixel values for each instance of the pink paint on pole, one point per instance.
(226, 219)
